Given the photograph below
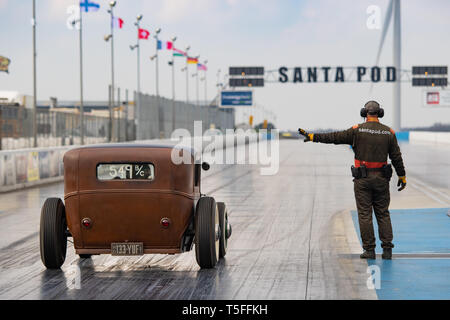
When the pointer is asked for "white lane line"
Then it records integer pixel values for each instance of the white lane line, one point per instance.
(432, 189)
(430, 195)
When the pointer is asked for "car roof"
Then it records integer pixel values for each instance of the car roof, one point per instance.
(140, 145)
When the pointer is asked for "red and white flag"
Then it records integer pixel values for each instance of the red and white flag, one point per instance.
(143, 34)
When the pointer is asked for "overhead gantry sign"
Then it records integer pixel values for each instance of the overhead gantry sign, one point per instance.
(257, 77)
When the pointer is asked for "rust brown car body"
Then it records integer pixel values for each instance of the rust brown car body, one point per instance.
(129, 210)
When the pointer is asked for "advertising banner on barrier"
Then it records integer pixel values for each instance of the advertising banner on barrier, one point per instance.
(21, 167)
(61, 163)
(27, 168)
(9, 169)
(2, 170)
(54, 159)
(44, 164)
(436, 98)
(33, 166)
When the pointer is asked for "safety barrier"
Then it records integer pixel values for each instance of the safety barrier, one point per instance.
(29, 167)
(429, 137)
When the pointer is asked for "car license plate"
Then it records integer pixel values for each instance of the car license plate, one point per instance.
(127, 249)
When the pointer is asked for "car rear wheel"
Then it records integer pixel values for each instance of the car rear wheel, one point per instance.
(223, 224)
(207, 232)
(53, 233)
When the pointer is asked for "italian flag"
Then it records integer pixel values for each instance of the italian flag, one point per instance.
(178, 53)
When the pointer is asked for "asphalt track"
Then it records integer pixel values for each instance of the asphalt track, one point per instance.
(293, 236)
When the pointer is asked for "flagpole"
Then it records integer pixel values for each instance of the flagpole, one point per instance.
(80, 33)
(111, 116)
(126, 115)
(118, 114)
(198, 101)
(138, 95)
(218, 88)
(206, 84)
(156, 61)
(187, 74)
(157, 76)
(34, 78)
(173, 85)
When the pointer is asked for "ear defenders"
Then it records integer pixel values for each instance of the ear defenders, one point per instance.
(372, 108)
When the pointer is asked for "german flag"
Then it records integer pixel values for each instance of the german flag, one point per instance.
(192, 60)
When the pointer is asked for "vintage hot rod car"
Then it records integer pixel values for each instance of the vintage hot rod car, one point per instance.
(131, 199)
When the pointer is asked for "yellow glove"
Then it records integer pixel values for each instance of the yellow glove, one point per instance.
(308, 136)
(401, 183)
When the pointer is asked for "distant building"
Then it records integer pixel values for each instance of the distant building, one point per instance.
(15, 98)
(97, 108)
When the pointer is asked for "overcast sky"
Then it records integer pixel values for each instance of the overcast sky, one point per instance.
(270, 33)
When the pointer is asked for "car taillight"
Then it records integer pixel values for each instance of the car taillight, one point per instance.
(165, 222)
(86, 222)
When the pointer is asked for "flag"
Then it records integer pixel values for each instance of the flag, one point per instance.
(143, 34)
(178, 53)
(89, 6)
(165, 45)
(117, 22)
(4, 64)
(201, 67)
(192, 60)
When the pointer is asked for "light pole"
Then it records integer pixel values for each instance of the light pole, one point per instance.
(33, 22)
(173, 85)
(138, 50)
(108, 37)
(187, 74)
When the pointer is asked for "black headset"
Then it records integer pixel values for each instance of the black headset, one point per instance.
(376, 110)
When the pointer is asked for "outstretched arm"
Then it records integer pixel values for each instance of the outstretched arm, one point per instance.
(338, 137)
(308, 136)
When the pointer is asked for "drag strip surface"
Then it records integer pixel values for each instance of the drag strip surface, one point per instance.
(281, 246)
